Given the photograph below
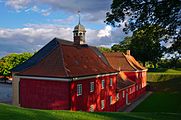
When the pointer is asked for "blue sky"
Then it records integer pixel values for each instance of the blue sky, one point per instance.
(27, 25)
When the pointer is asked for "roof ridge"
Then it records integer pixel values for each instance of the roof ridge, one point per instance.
(60, 48)
(103, 61)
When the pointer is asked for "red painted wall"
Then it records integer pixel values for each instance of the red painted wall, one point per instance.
(120, 104)
(84, 101)
(140, 79)
(43, 94)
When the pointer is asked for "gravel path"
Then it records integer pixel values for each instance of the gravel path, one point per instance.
(5, 93)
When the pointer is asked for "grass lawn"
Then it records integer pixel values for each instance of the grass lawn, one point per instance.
(166, 70)
(171, 85)
(8, 112)
(161, 102)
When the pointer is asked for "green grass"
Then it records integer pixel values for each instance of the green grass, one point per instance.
(8, 112)
(159, 77)
(165, 70)
(161, 102)
(171, 85)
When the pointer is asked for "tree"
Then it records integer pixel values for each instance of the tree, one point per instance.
(104, 49)
(145, 44)
(139, 13)
(122, 46)
(175, 51)
(12, 60)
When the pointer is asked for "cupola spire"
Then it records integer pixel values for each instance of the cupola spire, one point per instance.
(79, 33)
(79, 16)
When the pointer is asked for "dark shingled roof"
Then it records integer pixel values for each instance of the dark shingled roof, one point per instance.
(61, 58)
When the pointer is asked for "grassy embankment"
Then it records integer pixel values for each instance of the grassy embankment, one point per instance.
(8, 112)
(166, 87)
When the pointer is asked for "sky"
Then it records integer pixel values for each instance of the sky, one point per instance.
(27, 25)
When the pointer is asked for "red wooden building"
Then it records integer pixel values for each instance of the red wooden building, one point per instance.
(66, 75)
(129, 70)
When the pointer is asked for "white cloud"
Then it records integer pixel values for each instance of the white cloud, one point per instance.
(30, 38)
(106, 32)
(33, 36)
(91, 10)
(17, 4)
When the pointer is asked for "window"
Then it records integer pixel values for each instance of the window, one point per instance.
(80, 34)
(130, 90)
(102, 104)
(140, 86)
(91, 108)
(110, 98)
(103, 82)
(117, 96)
(91, 86)
(79, 89)
(110, 81)
(123, 94)
(136, 87)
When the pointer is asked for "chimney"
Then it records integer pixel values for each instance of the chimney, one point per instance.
(128, 52)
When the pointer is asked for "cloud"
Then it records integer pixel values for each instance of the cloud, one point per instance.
(34, 36)
(106, 32)
(44, 12)
(91, 10)
(18, 4)
(30, 39)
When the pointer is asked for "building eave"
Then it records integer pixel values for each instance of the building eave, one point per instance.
(65, 78)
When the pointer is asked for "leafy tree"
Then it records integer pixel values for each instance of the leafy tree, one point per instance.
(175, 51)
(104, 49)
(12, 60)
(145, 44)
(122, 46)
(139, 13)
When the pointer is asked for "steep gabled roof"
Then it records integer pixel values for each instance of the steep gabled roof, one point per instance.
(122, 62)
(135, 64)
(65, 59)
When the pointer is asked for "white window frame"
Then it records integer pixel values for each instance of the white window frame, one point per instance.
(110, 99)
(79, 89)
(117, 96)
(91, 86)
(102, 104)
(137, 88)
(111, 80)
(103, 84)
(123, 93)
(91, 108)
(130, 90)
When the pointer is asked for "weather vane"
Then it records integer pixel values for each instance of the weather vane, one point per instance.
(79, 16)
